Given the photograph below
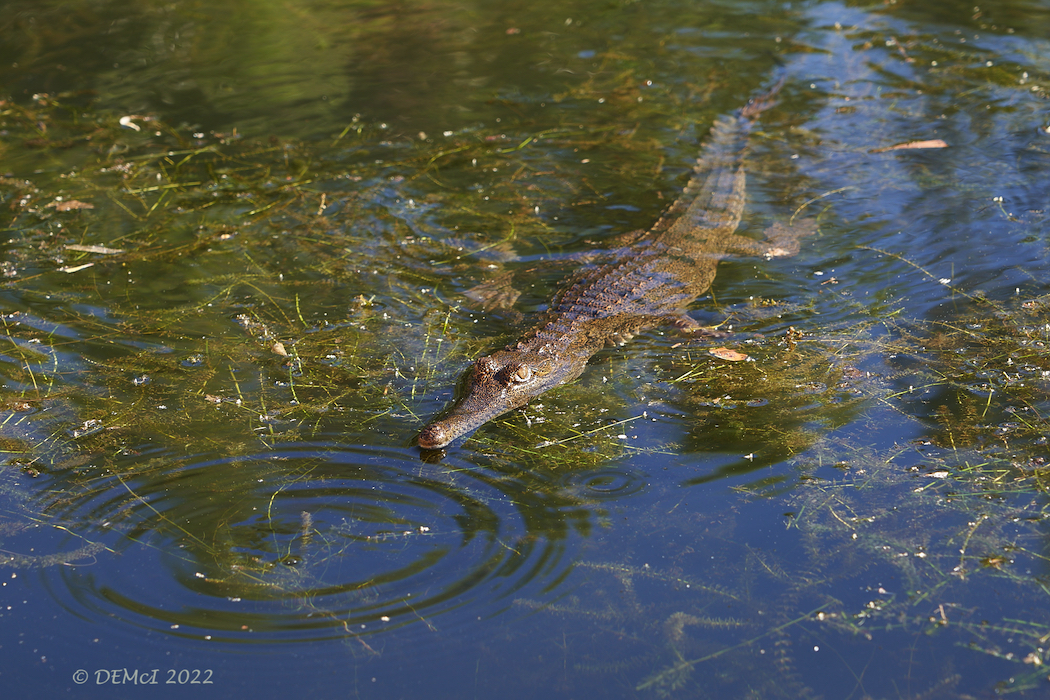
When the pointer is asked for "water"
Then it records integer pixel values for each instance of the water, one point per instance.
(236, 245)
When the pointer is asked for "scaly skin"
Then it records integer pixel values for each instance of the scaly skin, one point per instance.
(646, 284)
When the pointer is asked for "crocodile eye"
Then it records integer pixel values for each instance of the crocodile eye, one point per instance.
(522, 374)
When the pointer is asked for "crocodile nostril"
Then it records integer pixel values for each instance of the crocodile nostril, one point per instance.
(433, 437)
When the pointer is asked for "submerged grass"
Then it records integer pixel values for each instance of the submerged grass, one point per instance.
(943, 535)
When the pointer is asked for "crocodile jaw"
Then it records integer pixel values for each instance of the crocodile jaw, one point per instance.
(469, 414)
(499, 383)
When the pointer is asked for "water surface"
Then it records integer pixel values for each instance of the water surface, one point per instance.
(237, 241)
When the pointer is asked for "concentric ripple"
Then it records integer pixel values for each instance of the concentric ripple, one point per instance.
(305, 542)
(607, 483)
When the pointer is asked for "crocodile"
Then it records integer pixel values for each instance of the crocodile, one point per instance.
(642, 285)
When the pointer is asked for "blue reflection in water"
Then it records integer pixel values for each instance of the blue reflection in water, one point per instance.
(309, 541)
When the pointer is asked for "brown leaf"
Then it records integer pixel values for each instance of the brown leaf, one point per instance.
(70, 204)
(932, 143)
(727, 354)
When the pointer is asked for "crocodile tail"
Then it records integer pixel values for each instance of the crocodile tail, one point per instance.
(714, 197)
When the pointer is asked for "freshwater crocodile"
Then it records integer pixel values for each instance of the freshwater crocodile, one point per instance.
(642, 285)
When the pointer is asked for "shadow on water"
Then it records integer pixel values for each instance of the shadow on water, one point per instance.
(233, 285)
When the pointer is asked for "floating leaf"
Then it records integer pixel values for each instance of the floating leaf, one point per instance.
(75, 268)
(932, 143)
(94, 249)
(69, 205)
(727, 354)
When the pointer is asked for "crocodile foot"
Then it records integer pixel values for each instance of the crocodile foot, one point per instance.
(618, 339)
(783, 240)
(498, 294)
(688, 324)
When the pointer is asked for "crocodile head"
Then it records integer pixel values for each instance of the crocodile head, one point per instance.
(499, 383)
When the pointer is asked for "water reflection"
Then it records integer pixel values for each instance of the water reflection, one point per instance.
(304, 542)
